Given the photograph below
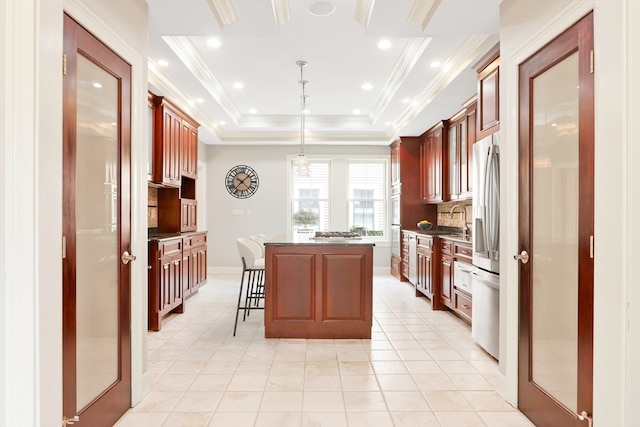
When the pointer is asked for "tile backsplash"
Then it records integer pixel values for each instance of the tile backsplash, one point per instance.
(457, 220)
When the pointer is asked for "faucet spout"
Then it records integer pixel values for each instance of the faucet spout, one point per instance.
(465, 229)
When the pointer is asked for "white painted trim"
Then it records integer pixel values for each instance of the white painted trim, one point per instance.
(139, 141)
(19, 280)
(507, 382)
(632, 55)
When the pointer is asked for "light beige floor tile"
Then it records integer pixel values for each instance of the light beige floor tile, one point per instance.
(406, 345)
(380, 345)
(436, 343)
(142, 419)
(353, 355)
(447, 401)
(470, 382)
(166, 354)
(186, 367)
(288, 368)
(459, 419)
(198, 401)
(369, 419)
(158, 401)
(397, 336)
(414, 419)
(324, 419)
(485, 366)
(505, 419)
(247, 382)
(389, 367)
(281, 401)
(360, 383)
(289, 355)
(278, 419)
(277, 382)
(434, 382)
(322, 383)
(445, 355)
(457, 367)
(220, 367)
(172, 382)
(233, 419)
(426, 336)
(413, 354)
(487, 401)
(207, 382)
(184, 419)
(396, 382)
(397, 326)
(406, 401)
(253, 367)
(423, 367)
(196, 354)
(240, 401)
(355, 368)
(359, 401)
(327, 367)
(322, 401)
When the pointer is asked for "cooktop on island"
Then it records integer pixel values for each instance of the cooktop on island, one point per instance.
(329, 235)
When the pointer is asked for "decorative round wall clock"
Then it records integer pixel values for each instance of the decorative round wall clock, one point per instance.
(241, 181)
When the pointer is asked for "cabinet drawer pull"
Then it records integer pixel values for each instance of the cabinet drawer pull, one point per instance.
(176, 262)
(166, 266)
(466, 306)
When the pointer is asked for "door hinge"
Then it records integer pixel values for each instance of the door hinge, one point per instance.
(591, 249)
(68, 421)
(591, 61)
(64, 247)
(64, 64)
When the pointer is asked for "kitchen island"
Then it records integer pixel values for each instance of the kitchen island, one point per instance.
(318, 289)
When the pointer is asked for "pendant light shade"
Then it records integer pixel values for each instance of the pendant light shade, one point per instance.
(302, 163)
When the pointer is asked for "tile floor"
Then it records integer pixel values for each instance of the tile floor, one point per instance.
(419, 369)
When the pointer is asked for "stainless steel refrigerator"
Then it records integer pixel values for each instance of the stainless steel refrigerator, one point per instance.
(485, 277)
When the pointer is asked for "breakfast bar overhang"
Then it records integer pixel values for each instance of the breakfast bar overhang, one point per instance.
(318, 289)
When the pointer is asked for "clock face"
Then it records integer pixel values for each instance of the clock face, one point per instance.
(241, 181)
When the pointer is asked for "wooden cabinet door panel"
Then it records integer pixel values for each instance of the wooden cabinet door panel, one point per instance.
(446, 277)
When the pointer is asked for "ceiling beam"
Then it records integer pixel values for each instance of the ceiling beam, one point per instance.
(223, 11)
(422, 11)
(364, 10)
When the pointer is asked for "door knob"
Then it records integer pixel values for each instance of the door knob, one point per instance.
(584, 415)
(126, 257)
(523, 257)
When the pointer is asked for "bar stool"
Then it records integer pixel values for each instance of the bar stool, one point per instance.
(253, 270)
(260, 241)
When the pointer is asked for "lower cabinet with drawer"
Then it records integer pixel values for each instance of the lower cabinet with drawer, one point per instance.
(462, 304)
(177, 268)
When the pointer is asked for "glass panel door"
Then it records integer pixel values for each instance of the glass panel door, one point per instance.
(96, 232)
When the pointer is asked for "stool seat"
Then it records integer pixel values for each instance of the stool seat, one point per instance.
(252, 259)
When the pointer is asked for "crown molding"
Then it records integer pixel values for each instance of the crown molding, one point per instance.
(469, 51)
(364, 10)
(281, 12)
(422, 11)
(223, 11)
(410, 55)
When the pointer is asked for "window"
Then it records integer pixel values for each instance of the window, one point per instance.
(367, 195)
(310, 198)
(341, 195)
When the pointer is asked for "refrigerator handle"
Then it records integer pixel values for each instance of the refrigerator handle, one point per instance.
(493, 203)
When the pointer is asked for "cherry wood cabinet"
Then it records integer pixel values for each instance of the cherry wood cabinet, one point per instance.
(488, 69)
(432, 168)
(189, 149)
(461, 137)
(396, 266)
(177, 269)
(446, 273)
(426, 268)
(405, 188)
(404, 267)
(194, 263)
(165, 280)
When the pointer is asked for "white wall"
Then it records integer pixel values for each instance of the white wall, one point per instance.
(525, 27)
(266, 211)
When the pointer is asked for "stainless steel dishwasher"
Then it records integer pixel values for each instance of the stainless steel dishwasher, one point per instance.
(413, 259)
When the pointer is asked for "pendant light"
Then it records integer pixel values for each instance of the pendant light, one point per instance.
(302, 163)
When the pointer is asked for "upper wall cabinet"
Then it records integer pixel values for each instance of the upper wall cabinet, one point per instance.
(461, 137)
(432, 168)
(175, 143)
(488, 116)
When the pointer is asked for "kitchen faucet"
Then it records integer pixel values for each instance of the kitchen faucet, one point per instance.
(465, 230)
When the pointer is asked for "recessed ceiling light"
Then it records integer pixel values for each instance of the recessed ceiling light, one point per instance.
(163, 62)
(305, 111)
(97, 85)
(406, 101)
(356, 111)
(253, 111)
(222, 122)
(436, 64)
(367, 86)
(213, 42)
(384, 44)
(238, 85)
(322, 8)
(199, 100)
(387, 123)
